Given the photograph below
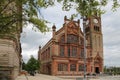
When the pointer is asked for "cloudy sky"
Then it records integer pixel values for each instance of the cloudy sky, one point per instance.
(31, 40)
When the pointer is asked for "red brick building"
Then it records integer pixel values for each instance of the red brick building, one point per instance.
(64, 52)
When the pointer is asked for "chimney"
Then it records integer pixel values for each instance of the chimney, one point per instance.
(54, 30)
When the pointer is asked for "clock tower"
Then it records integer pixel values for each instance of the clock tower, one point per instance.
(94, 38)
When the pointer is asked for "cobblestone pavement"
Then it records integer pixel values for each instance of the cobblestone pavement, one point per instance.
(48, 77)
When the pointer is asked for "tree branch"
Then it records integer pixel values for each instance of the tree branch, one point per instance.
(5, 6)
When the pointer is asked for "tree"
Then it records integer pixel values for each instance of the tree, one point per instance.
(28, 11)
(89, 8)
(32, 64)
(22, 12)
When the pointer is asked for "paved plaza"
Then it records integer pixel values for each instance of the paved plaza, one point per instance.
(40, 77)
(48, 77)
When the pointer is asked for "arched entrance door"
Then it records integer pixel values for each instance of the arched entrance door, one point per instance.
(97, 70)
(97, 64)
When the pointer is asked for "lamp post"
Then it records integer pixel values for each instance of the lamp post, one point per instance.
(84, 22)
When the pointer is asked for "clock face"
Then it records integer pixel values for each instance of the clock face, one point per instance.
(95, 20)
(87, 22)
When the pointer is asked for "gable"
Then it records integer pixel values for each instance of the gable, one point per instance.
(72, 28)
(97, 57)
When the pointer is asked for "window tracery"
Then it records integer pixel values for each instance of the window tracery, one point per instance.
(72, 38)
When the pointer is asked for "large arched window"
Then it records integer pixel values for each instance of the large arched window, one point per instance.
(72, 38)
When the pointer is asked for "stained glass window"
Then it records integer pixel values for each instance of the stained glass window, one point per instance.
(72, 38)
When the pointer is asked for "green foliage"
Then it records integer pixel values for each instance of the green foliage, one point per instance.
(32, 64)
(32, 14)
(112, 70)
(40, 24)
(88, 7)
(115, 5)
(7, 17)
(14, 13)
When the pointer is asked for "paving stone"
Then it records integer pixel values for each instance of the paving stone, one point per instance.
(48, 77)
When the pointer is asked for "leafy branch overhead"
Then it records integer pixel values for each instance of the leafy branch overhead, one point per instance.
(89, 7)
(14, 12)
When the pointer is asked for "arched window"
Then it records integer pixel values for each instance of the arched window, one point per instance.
(72, 38)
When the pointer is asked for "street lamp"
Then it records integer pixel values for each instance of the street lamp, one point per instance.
(84, 22)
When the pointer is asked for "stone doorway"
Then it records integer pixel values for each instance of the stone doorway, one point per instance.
(97, 70)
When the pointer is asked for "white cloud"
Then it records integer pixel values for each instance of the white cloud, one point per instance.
(111, 27)
(31, 41)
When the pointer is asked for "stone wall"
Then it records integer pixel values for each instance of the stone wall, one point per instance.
(9, 57)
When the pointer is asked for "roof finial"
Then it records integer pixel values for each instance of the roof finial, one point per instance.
(54, 27)
(39, 47)
(78, 21)
(65, 18)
